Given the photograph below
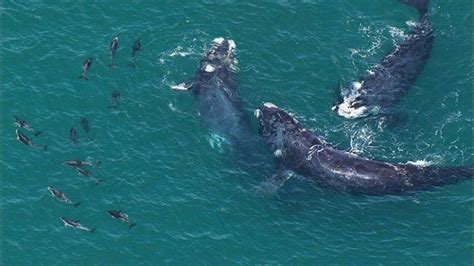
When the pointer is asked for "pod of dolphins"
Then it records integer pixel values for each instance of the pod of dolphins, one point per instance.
(82, 167)
(295, 148)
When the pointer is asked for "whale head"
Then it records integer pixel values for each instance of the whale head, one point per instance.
(275, 125)
(218, 67)
(221, 56)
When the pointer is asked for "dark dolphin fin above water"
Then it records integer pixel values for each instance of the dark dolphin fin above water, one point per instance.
(85, 68)
(137, 45)
(377, 92)
(113, 49)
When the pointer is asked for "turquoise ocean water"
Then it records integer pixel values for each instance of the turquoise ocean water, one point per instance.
(193, 204)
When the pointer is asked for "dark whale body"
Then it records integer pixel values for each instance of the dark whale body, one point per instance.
(377, 92)
(215, 89)
(301, 151)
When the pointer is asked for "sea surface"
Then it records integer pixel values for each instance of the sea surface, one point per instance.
(180, 182)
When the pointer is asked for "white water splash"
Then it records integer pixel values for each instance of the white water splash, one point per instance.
(179, 87)
(411, 23)
(178, 51)
(346, 109)
(172, 107)
(361, 139)
(396, 33)
(422, 163)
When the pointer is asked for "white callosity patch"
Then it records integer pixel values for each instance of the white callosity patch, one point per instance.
(270, 105)
(231, 60)
(232, 45)
(278, 153)
(219, 40)
(209, 68)
(228, 58)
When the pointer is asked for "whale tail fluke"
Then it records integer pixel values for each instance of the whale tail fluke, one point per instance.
(131, 225)
(83, 77)
(93, 229)
(76, 204)
(421, 5)
(37, 133)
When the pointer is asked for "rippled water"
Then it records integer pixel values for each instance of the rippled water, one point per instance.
(178, 180)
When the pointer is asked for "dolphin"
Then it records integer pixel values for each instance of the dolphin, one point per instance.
(73, 135)
(136, 47)
(22, 123)
(122, 217)
(300, 150)
(113, 48)
(84, 172)
(61, 197)
(88, 173)
(115, 99)
(68, 222)
(77, 163)
(85, 68)
(24, 139)
(20, 136)
(377, 92)
(85, 124)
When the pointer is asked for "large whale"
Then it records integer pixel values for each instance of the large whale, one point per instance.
(215, 89)
(306, 154)
(383, 85)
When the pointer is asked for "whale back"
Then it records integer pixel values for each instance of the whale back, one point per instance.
(303, 152)
(377, 91)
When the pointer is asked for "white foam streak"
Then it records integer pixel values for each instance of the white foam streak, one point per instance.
(421, 163)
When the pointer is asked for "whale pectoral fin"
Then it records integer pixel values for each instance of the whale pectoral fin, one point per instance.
(275, 182)
(184, 86)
